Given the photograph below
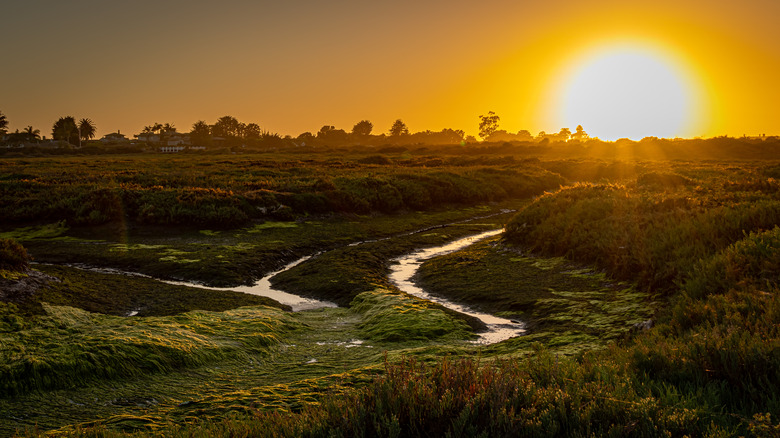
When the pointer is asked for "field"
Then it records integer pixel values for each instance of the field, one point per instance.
(648, 290)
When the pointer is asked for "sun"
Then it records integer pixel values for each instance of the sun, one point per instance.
(627, 92)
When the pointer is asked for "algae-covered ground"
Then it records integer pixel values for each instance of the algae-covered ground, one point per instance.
(567, 307)
(72, 357)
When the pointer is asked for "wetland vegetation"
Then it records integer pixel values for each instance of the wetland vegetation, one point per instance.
(648, 289)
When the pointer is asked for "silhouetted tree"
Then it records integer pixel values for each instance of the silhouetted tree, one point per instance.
(201, 133)
(305, 137)
(525, 135)
(399, 128)
(226, 126)
(330, 134)
(488, 124)
(65, 129)
(3, 123)
(564, 134)
(32, 134)
(362, 127)
(252, 131)
(86, 129)
(580, 134)
(445, 136)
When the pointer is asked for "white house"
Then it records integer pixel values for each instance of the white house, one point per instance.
(114, 137)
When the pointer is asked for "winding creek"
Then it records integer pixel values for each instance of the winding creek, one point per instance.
(405, 268)
(262, 287)
(402, 272)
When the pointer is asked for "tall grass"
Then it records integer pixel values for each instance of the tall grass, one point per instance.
(71, 347)
(228, 193)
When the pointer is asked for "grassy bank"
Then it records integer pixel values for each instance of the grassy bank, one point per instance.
(70, 347)
(565, 306)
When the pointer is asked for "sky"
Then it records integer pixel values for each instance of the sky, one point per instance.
(294, 66)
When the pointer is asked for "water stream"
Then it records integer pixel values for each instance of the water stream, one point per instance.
(404, 269)
(263, 288)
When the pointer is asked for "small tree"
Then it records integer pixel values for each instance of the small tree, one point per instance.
(580, 134)
(226, 126)
(86, 129)
(252, 131)
(363, 127)
(65, 129)
(3, 124)
(488, 124)
(399, 128)
(201, 133)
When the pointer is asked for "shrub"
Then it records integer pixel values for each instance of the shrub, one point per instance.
(13, 256)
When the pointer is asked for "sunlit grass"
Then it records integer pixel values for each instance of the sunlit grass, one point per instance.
(70, 347)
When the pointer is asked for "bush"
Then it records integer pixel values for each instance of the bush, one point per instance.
(13, 256)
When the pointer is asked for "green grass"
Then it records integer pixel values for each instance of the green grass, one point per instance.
(71, 347)
(568, 307)
(119, 295)
(394, 317)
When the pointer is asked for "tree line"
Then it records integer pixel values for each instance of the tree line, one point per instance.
(64, 129)
(230, 132)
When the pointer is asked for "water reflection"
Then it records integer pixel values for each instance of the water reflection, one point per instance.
(404, 268)
(263, 288)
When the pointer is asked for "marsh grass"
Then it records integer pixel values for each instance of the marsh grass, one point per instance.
(225, 258)
(394, 317)
(119, 295)
(70, 347)
(229, 193)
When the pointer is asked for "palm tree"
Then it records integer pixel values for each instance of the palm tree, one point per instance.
(32, 134)
(86, 130)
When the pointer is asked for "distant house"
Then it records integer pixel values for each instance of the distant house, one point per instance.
(170, 138)
(114, 137)
(176, 139)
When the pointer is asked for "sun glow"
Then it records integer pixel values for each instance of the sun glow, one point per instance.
(628, 92)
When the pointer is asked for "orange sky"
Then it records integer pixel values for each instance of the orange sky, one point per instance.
(293, 66)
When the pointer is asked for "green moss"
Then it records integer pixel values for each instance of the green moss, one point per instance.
(394, 317)
(549, 295)
(55, 230)
(259, 228)
(70, 347)
(119, 295)
(6, 274)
